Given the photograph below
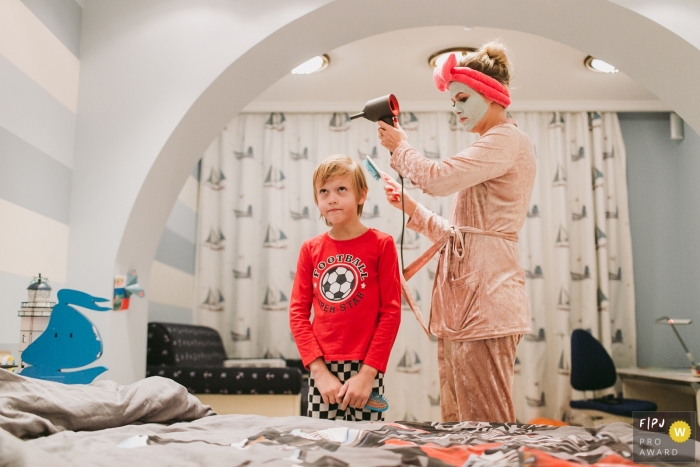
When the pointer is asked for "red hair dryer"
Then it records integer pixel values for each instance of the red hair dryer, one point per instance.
(385, 108)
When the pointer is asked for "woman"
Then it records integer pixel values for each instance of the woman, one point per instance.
(479, 307)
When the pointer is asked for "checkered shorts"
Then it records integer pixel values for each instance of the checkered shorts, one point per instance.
(343, 370)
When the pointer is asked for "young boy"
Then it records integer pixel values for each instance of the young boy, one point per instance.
(350, 275)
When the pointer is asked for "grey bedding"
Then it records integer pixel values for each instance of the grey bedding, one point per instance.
(53, 420)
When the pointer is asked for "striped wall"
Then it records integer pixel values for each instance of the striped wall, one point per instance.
(171, 291)
(39, 76)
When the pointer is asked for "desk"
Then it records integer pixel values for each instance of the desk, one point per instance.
(671, 389)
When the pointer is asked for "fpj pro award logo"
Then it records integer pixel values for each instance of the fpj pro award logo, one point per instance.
(664, 437)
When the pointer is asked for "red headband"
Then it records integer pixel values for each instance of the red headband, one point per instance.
(478, 81)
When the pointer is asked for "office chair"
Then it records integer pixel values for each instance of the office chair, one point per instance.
(592, 369)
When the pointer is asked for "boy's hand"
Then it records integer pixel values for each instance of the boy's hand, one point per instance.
(355, 392)
(326, 382)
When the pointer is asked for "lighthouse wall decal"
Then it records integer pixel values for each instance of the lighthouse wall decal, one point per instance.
(70, 341)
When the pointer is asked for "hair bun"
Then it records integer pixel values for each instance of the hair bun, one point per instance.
(492, 60)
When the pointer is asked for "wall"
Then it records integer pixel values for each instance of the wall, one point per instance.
(39, 70)
(172, 292)
(665, 222)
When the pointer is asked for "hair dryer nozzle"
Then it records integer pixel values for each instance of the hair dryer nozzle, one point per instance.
(383, 108)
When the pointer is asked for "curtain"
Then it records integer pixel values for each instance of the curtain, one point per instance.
(256, 208)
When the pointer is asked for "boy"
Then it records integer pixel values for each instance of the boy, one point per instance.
(350, 276)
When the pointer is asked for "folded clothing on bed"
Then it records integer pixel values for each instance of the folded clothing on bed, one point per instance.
(32, 407)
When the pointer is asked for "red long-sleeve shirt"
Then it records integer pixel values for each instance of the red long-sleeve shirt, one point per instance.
(355, 291)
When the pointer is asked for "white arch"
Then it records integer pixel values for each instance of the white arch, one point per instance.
(599, 27)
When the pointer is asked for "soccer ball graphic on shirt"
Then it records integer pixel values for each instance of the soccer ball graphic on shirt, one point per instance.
(338, 283)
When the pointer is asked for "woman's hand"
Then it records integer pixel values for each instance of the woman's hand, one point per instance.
(393, 195)
(326, 382)
(391, 136)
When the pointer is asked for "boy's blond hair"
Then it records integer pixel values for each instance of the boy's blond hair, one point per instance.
(338, 165)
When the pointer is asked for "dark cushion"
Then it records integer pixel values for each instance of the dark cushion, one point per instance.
(184, 345)
(592, 368)
(220, 380)
(623, 407)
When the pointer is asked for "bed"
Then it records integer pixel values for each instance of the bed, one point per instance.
(156, 422)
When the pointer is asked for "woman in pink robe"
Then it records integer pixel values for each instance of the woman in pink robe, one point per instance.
(479, 308)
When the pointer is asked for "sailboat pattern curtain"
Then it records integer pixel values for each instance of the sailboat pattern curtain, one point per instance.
(256, 208)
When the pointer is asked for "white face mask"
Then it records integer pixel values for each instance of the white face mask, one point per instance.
(473, 110)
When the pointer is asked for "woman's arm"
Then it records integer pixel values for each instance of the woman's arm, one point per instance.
(420, 219)
(490, 157)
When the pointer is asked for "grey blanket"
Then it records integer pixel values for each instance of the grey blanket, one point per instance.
(31, 407)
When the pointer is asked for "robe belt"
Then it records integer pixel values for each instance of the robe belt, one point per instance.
(454, 236)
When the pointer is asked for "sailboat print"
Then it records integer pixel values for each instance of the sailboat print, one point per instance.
(339, 122)
(609, 155)
(292, 274)
(434, 400)
(557, 120)
(404, 304)
(562, 238)
(247, 213)
(411, 242)
(371, 215)
(564, 301)
(615, 277)
(296, 156)
(602, 300)
(598, 178)
(575, 276)
(534, 212)
(242, 274)
(579, 155)
(240, 337)
(216, 180)
(274, 179)
(559, 177)
(274, 238)
(613, 215)
(275, 121)
(303, 214)
(563, 368)
(408, 121)
(538, 337)
(372, 154)
(247, 154)
(617, 337)
(516, 366)
(536, 274)
(577, 217)
(431, 273)
(410, 363)
(533, 402)
(600, 237)
(215, 240)
(214, 300)
(275, 300)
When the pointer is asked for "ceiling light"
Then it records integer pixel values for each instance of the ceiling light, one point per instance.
(317, 63)
(438, 58)
(599, 65)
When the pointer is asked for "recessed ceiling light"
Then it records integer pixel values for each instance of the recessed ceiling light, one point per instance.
(438, 58)
(317, 63)
(599, 65)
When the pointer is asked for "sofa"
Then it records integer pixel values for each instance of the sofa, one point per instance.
(194, 356)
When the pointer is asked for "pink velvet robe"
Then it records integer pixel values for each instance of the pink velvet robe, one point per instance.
(479, 290)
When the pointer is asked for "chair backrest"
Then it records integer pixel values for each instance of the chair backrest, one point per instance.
(592, 368)
(184, 345)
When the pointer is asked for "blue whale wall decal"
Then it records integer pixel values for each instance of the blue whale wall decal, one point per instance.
(69, 341)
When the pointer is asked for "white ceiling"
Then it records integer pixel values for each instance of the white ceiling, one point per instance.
(547, 74)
